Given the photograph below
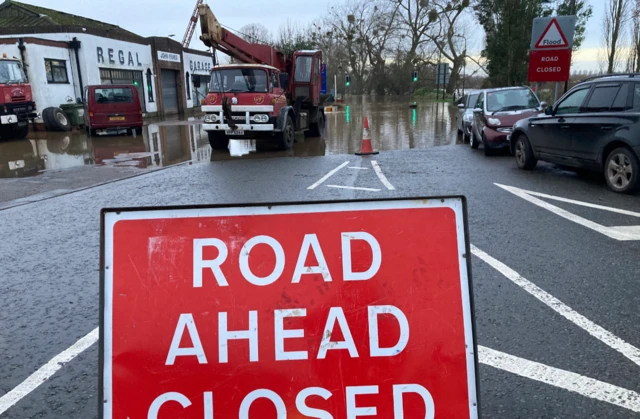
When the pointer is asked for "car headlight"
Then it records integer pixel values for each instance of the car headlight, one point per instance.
(261, 119)
(467, 117)
(494, 121)
(212, 117)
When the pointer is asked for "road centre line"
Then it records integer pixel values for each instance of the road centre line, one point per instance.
(381, 176)
(618, 234)
(556, 377)
(559, 307)
(355, 188)
(47, 370)
(358, 168)
(327, 176)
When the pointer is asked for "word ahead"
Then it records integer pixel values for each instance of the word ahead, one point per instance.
(321, 311)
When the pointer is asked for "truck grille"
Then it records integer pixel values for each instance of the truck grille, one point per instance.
(18, 98)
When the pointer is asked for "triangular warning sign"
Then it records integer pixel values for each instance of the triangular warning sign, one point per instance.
(552, 37)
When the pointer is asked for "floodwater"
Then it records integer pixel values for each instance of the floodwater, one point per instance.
(393, 126)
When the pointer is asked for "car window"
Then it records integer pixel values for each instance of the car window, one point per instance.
(602, 98)
(480, 103)
(572, 103)
(636, 98)
(472, 100)
(511, 100)
(621, 100)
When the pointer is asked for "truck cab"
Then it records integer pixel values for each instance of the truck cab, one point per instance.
(16, 100)
(257, 101)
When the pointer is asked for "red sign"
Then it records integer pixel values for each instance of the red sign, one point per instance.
(336, 310)
(549, 65)
(552, 37)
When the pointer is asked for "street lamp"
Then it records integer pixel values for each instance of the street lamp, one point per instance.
(464, 65)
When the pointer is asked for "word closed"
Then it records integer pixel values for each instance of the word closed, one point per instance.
(287, 312)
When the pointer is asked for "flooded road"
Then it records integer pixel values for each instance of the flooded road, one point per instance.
(393, 126)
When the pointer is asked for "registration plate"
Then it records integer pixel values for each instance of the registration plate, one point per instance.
(116, 118)
(22, 123)
(234, 132)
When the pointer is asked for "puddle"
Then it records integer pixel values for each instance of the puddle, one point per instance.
(392, 123)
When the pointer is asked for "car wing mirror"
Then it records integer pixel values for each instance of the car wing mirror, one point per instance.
(460, 105)
(548, 111)
(284, 81)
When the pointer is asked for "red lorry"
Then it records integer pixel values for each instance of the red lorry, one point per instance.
(269, 97)
(16, 100)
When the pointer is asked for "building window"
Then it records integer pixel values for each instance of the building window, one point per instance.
(188, 87)
(56, 71)
(149, 85)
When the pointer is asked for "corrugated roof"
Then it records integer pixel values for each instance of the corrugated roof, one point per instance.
(14, 14)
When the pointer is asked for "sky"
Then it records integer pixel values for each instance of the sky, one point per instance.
(170, 17)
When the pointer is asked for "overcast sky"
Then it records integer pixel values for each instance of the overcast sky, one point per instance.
(170, 17)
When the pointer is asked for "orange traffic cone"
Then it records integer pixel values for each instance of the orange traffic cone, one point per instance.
(366, 148)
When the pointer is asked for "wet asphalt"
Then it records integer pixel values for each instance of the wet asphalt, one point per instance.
(49, 258)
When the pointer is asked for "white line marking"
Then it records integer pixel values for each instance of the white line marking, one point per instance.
(607, 231)
(381, 175)
(628, 230)
(47, 370)
(572, 201)
(327, 176)
(567, 380)
(358, 168)
(355, 188)
(559, 307)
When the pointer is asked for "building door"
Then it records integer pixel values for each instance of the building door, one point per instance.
(110, 76)
(169, 91)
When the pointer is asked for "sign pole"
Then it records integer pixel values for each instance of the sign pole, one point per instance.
(555, 95)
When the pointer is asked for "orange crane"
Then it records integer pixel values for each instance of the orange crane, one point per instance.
(193, 22)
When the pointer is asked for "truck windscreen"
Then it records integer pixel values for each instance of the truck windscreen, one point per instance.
(238, 80)
(11, 72)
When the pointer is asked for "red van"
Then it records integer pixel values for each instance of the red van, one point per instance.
(112, 108)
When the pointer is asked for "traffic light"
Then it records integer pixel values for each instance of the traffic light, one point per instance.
(415, 76)
(347, 80)
(135, 82)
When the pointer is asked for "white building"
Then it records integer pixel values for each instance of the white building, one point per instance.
(62, 53)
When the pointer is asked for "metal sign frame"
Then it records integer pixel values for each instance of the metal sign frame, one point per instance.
(110, 216)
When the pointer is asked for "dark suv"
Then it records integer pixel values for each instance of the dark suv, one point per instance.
(594, 126)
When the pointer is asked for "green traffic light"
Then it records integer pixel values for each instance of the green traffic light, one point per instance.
(135, 83)
(348, 83)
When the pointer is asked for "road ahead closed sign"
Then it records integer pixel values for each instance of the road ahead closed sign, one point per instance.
(335, 310)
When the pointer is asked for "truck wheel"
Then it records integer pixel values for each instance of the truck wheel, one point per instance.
(47, 118)
(218, 141)
(287, 137)
(60, 120)
(316, 128)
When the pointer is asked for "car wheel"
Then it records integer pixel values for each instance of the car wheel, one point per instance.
(287, 137)
(218, 140)
(487, 150)
(621, 171)
(524, 153)
(473, 141)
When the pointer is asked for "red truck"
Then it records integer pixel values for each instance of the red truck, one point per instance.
(269, 97)
(16, 100)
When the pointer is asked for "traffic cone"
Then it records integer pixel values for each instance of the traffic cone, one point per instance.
(366, 148)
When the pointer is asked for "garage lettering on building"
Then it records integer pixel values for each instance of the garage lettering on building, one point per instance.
(213, 269)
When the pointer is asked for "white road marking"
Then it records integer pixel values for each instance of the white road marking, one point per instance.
(327, 176)
(47, 370)
(629, 230)
(622, 235)
(355, 188)
(358, 168)
(567, 380)
(381, 176)
(559, 307)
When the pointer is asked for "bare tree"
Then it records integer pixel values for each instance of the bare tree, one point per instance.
(256, 33)
(634, 55)
(616, 17)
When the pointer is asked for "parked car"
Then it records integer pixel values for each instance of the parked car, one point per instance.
(112, 108)
(464, 117)
(496, 112)
(594, 126)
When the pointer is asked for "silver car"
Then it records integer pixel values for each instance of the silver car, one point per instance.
(464, 117)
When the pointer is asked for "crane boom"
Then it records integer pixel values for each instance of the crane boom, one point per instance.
(186, 40)
(215, 36)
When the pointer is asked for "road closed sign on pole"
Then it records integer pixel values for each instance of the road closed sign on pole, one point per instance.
(324, 310)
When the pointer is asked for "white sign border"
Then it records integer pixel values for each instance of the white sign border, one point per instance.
(113, 216)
